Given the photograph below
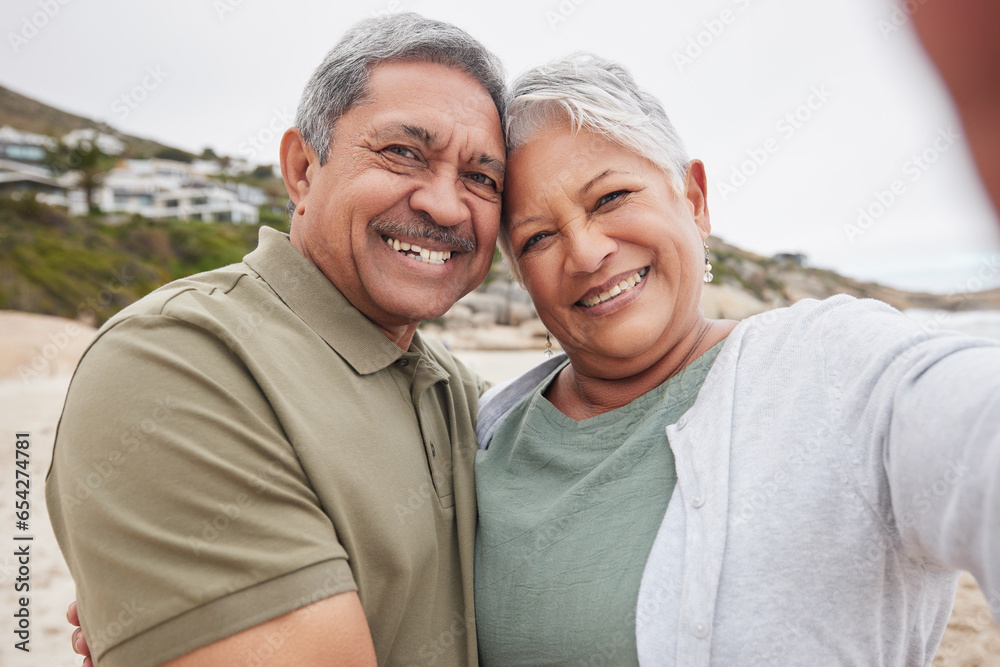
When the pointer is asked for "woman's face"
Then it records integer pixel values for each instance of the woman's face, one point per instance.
(588, 218)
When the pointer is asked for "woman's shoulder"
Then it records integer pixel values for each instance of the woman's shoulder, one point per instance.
(501, 399)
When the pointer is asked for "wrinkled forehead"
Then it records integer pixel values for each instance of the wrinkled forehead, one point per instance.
(437, 104)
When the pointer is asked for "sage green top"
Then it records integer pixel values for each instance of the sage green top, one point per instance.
(568, 511)
(245, 442)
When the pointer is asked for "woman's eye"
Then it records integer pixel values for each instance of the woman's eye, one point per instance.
(610, 197)
(532, 241)
(401, 151)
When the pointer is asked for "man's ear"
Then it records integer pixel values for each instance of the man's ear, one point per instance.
(696, 186)
(297, 158)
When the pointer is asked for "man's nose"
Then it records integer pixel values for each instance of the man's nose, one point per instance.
(442, 198)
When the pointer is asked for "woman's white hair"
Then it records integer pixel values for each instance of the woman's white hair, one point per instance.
(598, 95)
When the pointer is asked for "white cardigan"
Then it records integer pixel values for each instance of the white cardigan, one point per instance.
(839, 466)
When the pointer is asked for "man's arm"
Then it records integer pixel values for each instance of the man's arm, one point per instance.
(183, 511)
(331, 632)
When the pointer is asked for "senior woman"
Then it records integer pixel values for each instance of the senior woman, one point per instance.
(797, 488)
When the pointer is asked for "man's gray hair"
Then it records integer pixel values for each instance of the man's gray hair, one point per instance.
(341, 80)
(599, 95)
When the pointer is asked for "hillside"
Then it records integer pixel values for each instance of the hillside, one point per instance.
(27, 114)
(85, 268)
(52, 264)
(775, 283)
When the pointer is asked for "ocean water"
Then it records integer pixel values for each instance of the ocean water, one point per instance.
(985, 323)
(498, 366)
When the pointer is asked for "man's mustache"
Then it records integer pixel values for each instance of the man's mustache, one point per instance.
(421, 226)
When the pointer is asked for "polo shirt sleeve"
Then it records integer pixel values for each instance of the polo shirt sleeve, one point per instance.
(179, 504)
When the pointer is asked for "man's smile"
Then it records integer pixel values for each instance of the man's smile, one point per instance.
(413, 251)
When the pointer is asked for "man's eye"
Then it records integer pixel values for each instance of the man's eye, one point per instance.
(401, 151)
(610, 197)
(483, 179)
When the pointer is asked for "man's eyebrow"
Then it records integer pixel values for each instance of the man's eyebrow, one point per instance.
(426, 138)
(415, 132)
(494, 164)
(420, 134)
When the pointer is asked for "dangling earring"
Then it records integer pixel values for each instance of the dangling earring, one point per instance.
(708, 267)
(548, 346)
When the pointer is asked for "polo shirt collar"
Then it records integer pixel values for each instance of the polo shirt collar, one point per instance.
(316, 301)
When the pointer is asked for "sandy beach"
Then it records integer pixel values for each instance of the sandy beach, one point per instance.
(37, 354)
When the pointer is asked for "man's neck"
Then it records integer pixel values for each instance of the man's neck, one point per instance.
(401, 337)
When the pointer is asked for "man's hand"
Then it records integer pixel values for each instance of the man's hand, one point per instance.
(79, 641)
(333, 631)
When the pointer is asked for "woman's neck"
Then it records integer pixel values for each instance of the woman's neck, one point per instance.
(580, 395)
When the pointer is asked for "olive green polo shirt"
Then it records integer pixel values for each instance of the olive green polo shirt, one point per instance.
(244, 442)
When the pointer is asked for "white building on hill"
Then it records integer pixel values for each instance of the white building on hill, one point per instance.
(108, 144)
(158, 189)
(167, 189)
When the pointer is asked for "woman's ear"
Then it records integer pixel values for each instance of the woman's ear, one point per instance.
(297, 158)
(696, 191)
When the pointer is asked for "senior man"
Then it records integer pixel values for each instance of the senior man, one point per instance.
(266, 463)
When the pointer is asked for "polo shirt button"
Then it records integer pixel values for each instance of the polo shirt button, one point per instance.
(682, 422)
(700, 630)
(698, 500)
(402, 362)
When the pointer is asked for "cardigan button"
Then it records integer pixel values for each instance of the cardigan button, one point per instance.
(700, 630)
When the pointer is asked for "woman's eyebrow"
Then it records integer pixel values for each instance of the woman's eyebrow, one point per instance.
(592, 182)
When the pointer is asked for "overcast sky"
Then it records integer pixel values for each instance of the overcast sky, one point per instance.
(823, 126)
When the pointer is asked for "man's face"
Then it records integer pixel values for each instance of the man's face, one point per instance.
(418, 163)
